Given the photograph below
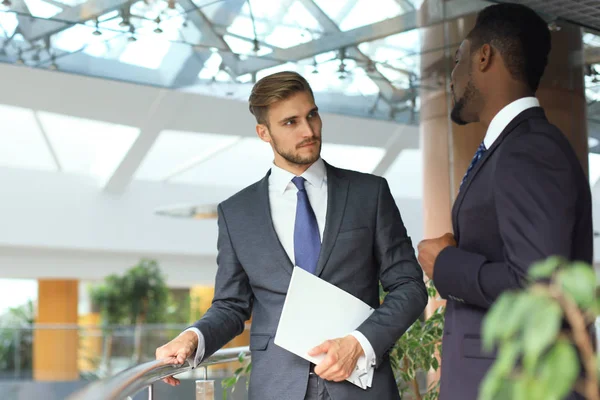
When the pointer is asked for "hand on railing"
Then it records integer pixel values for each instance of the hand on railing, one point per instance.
(136, 378)
(177, 351)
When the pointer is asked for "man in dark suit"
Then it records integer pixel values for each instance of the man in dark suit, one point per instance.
(524, 197)
(340, 225)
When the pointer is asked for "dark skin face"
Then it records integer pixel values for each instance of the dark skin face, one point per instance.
(482, 85)
(466, 97)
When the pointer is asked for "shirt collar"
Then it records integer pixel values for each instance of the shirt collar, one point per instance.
(315, 175)
(505, 116)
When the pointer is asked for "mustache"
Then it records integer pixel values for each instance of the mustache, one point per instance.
(308, 141)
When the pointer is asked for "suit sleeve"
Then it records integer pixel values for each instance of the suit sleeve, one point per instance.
(535, 196)
(400, 276)
(232, 303)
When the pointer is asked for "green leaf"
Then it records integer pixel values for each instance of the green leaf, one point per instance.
(515, 319)
(490, 385)
(413, 344)
(559, 370)
(521, 389)
(579, 282)
(540, 331)
(545, 268)
(507, 358)
(496, 381)
(493, 322)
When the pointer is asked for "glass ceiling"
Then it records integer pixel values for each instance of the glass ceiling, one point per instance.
(202, 44)
(347, 48)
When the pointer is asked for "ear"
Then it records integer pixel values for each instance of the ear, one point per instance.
(484, 60)
(263, 133)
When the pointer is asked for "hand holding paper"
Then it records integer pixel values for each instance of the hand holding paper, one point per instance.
(316, 311)
(341, 358)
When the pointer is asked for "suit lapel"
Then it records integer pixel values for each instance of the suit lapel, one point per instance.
(536, 111)
(337, 192)
(264, 215)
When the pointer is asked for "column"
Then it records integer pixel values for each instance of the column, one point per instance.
(55, 350)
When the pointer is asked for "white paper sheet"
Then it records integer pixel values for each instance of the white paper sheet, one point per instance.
(315, 311)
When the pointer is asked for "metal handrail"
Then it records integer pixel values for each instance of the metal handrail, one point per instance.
(134, 379)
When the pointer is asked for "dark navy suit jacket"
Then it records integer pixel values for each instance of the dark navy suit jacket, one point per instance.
(526, 199)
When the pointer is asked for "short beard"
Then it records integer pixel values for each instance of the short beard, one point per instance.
(457, 114)
(295, 158)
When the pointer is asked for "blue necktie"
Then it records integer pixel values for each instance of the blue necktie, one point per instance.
(478, 154)
(307, 240)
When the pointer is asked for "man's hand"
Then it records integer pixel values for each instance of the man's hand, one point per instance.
(341, 358)
(177, 351)
(429, 249)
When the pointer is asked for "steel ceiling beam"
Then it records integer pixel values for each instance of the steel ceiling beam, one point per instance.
(388, 92)
(353, 37)
(227, 12)
(37, 28)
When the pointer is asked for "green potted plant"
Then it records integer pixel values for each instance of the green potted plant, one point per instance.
(542, 332)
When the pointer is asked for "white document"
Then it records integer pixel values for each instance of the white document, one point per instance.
(315, 311)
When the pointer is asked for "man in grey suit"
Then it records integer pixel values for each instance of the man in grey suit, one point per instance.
(524, 197)
(340, 225)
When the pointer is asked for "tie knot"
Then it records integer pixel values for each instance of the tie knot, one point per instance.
(299, 182)
(481, 148)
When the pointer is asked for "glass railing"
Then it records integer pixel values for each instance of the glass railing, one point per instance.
(133, 380)
(97, 351)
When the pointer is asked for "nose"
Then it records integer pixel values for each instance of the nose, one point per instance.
(307, 129)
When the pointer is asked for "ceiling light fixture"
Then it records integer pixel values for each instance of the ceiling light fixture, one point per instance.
(132, 38)
(205, 211)
(97, 31)
(157, 29)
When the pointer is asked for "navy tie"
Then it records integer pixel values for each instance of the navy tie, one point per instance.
(478, 154)
(307, 240)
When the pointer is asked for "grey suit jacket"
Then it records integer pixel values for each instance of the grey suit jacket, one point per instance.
(526, 199)
(364, 242)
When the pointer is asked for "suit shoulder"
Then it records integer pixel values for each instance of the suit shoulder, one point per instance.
(358, 177)
(538, 131)
(240, 198)
(541, 146)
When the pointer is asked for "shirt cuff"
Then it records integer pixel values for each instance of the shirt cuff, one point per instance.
(195, 359)
(367, 348)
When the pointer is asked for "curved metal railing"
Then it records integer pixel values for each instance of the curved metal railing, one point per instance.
(134, 379)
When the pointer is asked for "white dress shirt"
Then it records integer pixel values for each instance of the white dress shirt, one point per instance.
(505, 116)
(282, 201)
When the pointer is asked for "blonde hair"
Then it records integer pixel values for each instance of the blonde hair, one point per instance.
(274, 88)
